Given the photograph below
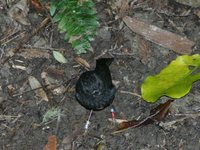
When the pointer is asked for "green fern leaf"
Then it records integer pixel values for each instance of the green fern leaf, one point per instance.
(76, 18)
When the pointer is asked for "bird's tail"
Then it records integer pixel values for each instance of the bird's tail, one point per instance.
(104, 61)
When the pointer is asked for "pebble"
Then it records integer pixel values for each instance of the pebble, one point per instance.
(104, 33)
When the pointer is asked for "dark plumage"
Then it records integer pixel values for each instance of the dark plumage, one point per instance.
(94, 89)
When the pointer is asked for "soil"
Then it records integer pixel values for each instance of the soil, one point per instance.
(22, 125)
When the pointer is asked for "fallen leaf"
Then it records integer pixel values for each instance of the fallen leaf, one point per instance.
(82, 62)
(19, 12)
(144, 50)
(46, 80)
(37, 87)
(52, 9)
(11, 89)
(51, 114)
(52, 142)
(55, 73)
(156, 115)
(174, 81)
(124, 8)
(161, 111)
(37, 5)
(59, 57)
(52, 83)
(164, 38)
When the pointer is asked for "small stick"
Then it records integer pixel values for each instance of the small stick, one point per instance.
(58, 122)
(131, 93)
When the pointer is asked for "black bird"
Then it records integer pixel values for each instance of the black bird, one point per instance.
(94, 89)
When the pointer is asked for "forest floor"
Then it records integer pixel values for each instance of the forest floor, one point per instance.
(24, 121)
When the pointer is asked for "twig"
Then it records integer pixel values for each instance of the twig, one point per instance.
(2, 52)
(58, 122)
(14, 37)
(15, 95)
(26, 38)
(10, 36)
(102, 53)
(45, 48)
(185, 116)
(8, 116)
(189, 115)
(131, 93)
(17, 118)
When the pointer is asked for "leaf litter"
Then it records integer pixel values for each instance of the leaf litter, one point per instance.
(52, 143)
(156, 115)
(37, 87)
(68, 118)
(172, 41)
(19, 12)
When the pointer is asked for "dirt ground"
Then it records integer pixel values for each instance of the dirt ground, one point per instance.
(22, 125)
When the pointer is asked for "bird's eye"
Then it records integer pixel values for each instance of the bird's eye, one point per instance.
(96, 93)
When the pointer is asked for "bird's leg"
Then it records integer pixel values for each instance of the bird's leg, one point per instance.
(87, 123)
(113, 112)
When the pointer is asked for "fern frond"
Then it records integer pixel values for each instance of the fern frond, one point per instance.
(76, 18)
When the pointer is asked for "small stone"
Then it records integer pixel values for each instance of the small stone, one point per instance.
(40, 42)
(104, 33)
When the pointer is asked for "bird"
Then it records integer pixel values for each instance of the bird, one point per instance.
(94, 89)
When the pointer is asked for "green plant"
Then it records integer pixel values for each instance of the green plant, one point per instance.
(78, 20)
(51, 114)
(174, 81)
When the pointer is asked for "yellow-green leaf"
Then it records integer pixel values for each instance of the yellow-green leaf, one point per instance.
(59, 57)
(174, 81)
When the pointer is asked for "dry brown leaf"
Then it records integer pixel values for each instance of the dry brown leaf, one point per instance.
(52, 142)
(11, 89)
(37, 87)
(55, 73)
(124, 8)
(36, 4)
(33, 53)
(19, 12)
(46, 80)
(144, 50)
(157, 114)
(164, 38)
(82, 62)
(52, 84)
